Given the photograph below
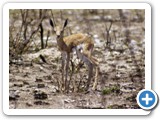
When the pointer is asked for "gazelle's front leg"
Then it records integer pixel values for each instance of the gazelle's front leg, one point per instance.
(62, 85)
(66, 71)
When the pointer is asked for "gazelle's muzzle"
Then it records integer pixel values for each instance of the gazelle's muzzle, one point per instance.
(58, 36)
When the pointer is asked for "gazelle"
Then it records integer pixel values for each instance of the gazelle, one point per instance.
(83, 45)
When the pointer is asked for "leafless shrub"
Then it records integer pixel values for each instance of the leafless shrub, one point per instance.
(107, 36)
(23, 29)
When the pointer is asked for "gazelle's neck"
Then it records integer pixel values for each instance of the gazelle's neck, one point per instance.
(60, 38)
(61, 44)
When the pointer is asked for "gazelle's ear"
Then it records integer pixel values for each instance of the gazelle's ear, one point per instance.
(65, 23)
(51, 23)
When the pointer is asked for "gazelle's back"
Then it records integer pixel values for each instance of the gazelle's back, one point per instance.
(79, 39)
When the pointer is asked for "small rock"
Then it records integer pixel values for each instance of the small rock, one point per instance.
(41, 68)
(40, 95)
(28, 68)
(39, 80)
(29, 104)
(18, 85)
(41, 103)
(69, 101)
(49, 77)
(13, 95)
(25, 83)
(54, 89)
(40, 86)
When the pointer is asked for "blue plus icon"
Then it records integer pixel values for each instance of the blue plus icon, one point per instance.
(147, 99)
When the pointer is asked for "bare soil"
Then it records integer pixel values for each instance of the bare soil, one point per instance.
(35, 85)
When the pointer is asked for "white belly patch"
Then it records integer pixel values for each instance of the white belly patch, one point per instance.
(78, 50)
(80, 47)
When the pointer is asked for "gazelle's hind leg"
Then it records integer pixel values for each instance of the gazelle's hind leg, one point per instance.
(90, 72)
(89, 63)
(96, 64)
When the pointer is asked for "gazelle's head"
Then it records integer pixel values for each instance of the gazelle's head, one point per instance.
(58, 29)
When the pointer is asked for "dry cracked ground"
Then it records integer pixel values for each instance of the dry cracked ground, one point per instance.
(35, 84)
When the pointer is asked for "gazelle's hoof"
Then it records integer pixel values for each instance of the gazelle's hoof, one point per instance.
(89, 91)
(94, 88)
(75, 90)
